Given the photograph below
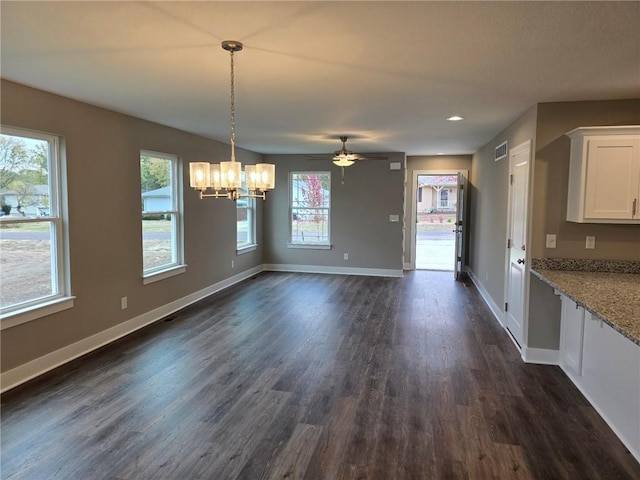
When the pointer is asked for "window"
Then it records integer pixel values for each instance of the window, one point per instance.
(310, 202)
(33, 238)
(161, 185)
(444, 198)
(245, 221)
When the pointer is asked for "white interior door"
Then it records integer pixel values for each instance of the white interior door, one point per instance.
(517, 264)
(460, 226)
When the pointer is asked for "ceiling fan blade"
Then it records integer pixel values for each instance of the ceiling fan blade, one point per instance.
(367, 157)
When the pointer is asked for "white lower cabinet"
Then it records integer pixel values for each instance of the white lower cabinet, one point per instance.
(611, 379)
(605, 366)
(571, 336)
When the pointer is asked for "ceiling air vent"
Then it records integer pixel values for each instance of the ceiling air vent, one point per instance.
(501, 151)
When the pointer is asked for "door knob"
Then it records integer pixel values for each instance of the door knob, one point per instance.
(521, 260)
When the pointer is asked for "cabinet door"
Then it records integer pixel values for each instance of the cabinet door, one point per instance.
(571, 334)
(612, 178)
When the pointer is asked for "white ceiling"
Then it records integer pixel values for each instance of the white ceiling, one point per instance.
(386, 73)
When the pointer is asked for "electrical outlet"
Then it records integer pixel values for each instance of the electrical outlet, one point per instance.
(551, 240)
(590, 243)
(123, 303)
(233, 264)
(346, 256)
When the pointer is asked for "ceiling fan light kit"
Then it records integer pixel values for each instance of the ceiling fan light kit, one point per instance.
(344, 157)
(225, 178)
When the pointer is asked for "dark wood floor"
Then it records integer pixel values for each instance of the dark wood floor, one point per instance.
(307, 376)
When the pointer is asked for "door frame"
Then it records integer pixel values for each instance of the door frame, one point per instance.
(414, 208)
(526, 145)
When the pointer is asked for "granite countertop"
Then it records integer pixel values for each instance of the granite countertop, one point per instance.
(612, 297)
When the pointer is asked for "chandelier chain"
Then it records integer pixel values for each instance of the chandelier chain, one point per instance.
(233, 111)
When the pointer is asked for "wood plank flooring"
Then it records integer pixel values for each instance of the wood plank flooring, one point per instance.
(305, 376)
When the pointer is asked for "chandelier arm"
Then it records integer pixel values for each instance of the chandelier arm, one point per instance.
(217, 194)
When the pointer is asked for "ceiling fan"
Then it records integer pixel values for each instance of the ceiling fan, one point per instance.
(343, 157)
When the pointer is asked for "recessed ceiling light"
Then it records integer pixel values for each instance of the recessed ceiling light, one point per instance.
(440, 153)
(455, 118)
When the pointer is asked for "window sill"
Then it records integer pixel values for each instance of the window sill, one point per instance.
(247, 249)
(34, 312)
(161, 275)
(312, 246)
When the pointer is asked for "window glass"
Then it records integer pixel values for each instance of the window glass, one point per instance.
(245, 222)
(161, 212)
(245, 219)
(32, 238)
(310, 207)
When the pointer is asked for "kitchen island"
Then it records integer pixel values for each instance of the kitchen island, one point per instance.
(612, 297)
(600, 337)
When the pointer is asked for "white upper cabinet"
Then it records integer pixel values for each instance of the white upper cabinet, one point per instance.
(604, 175)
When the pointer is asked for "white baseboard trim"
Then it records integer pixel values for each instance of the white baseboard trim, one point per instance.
(370, 272)
(497, 312)
(16, 376)
(542, 356)
(407, 266)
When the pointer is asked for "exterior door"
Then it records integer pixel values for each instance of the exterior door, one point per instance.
(517, 260)
(460, 227)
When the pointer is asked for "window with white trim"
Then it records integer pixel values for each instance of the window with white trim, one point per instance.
(245, 222)
(310, 208)
(444, 198)
(162, 237)
(33, 236)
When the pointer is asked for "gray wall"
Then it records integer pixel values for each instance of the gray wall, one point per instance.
(430, 162)
(103, 164)
(544, 316)
(360, 210)
(488, 206)
(613, 242)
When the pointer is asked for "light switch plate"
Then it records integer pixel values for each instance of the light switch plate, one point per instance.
(551, 240)
(394, 218)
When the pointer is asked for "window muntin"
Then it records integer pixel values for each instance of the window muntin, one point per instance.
(33, 238)
(310, 208)
(160, 176)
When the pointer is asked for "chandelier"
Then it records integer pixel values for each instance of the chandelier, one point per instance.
(225, 180)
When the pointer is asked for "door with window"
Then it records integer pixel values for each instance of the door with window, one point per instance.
(459, 229)
(437, 240)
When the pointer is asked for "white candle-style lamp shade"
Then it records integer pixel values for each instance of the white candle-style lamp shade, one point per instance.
(199, 175)
(216, 178)
(230, 173)
(251, 177)
(266, 176)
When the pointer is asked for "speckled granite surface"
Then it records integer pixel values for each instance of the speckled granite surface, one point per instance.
(580, 265)
(612, 297)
